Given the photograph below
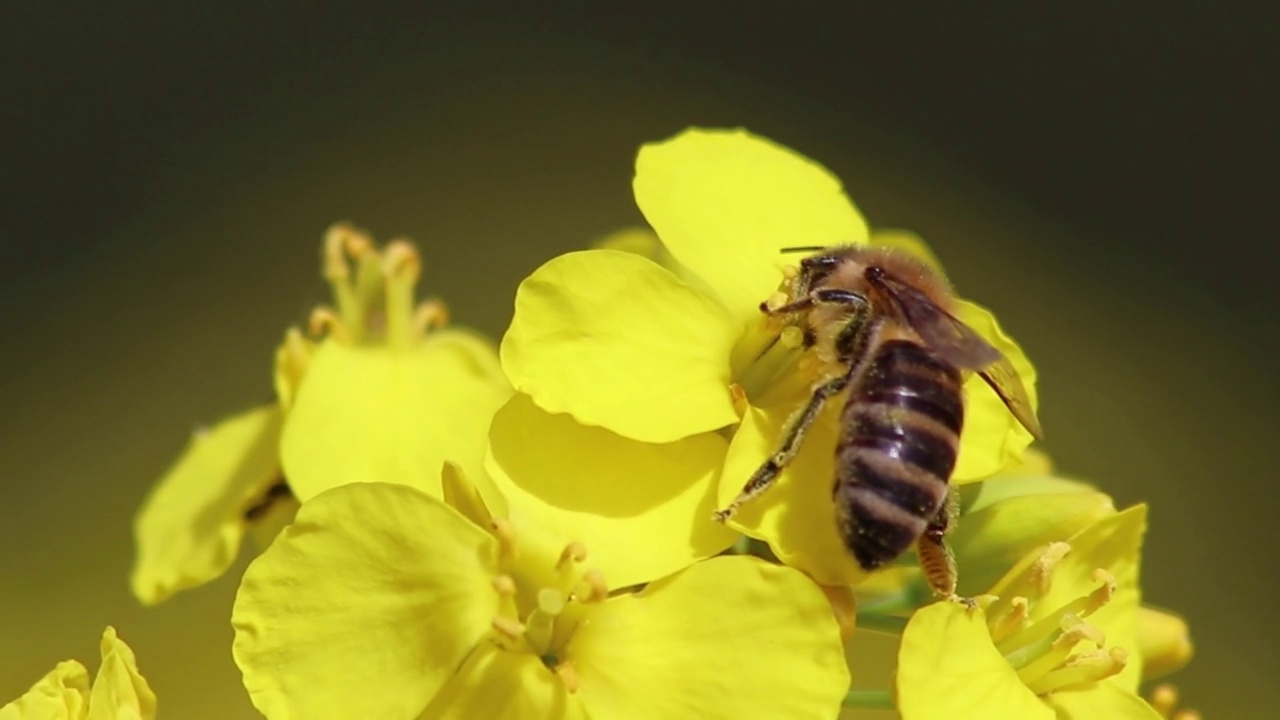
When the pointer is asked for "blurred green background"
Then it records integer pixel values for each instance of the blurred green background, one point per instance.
(1093, 176)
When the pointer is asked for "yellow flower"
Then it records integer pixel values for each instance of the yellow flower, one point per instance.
(118, 693)
(380, 601)
(379, 398)
(661, 346)
(1054, 639)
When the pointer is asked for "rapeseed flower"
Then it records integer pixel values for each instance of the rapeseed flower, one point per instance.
(118, 692)
(386, 395)
(382, 601)
(671, 344)
(1056, 637)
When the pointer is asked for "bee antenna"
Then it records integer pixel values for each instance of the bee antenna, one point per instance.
(802, 248)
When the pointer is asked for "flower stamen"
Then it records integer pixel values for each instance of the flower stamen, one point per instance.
(1081, 669)
(401, 267)
(1011, 621)
(506, 535)
(431, 315)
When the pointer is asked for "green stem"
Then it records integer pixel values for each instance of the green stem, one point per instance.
(869, 699)
(912, 596)
(883, 623)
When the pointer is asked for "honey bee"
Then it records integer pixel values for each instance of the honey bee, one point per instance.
(883, 326)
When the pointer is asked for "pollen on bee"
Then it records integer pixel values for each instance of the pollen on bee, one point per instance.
(790, 272)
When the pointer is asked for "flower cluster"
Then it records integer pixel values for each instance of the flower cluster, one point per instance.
(449, 529)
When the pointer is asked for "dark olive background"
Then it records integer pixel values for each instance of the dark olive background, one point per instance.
(1099, 177)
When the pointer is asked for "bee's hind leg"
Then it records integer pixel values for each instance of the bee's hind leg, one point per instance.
(797, 425)
(936, 558)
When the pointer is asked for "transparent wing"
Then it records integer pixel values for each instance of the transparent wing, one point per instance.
(1003, 378)
(961, 346)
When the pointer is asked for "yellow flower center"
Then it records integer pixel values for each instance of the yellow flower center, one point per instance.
(1060, 650)
(769, 362)
(373, 292)
(542, 600)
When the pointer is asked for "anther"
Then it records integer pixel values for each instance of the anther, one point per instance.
(335, 257)
(323, 321)
(568, 675)
(593, 588)
(430, 315)
(1012, 621)
(1103, 594)
(1081, 669)
(504, 585)
(506, 535)
(1042, 570)
(400, 260)
(791, 337)
(509, 628)
(574, 552)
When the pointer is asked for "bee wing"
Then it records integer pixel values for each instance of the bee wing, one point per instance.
(961, 346)
(1003, 378)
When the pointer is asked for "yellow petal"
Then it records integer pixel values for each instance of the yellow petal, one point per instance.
(1102, 701)
(617, 341)
(119, 690)
(189, 529)
(62, 694)
(364, 606)
(497, 684)
(373, 414)
(730, 637)
(948, 668)
(642, 510)
(797, 516)
(1012, 517)
(992, 439)
(724, 202)
(1164, 640)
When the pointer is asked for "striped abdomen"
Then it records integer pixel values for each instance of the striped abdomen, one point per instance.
(901, 432)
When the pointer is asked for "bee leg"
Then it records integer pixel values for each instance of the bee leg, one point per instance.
(936, 559)
(797, 425)
(823, 296)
